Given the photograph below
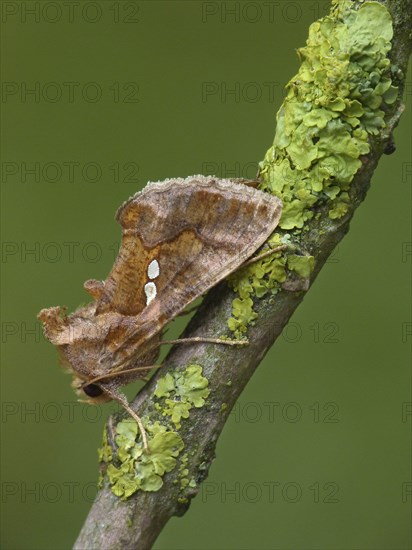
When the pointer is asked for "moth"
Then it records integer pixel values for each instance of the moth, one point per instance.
(180, 237)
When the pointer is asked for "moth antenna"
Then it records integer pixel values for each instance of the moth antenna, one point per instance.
(116, 374)
(120, 398)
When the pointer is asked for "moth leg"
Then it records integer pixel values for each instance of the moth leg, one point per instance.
(121, 398)
(200, 339)
(264, 255)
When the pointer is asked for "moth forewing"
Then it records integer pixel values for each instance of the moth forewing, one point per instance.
(208, 228)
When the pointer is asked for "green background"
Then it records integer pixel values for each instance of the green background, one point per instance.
(316, 453)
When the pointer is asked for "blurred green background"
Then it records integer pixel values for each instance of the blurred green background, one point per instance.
(97, 99)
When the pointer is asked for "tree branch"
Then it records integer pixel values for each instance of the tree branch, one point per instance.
(137, 521)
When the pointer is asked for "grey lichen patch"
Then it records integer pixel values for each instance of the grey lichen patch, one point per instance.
(333, 106)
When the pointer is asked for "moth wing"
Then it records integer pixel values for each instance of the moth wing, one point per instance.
(180, 238)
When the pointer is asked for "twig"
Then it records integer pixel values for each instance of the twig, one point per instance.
(137, 521)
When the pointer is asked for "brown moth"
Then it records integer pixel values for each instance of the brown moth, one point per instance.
(180, 238)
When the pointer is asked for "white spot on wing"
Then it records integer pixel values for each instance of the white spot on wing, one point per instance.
(153, 270)
(150, 291)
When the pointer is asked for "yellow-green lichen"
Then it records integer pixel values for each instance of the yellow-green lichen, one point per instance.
(185, 481)
(302, 265)
(136, 469)
(257, 279)
(333, 106)
(182, 391)
(105, 452)
(183, 472)
(131, 468)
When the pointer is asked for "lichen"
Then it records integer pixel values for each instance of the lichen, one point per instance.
(183, 472)
(182, 391)
(259, 279)
(302, 265)
(332, 108)
(131, 468)
(105, 453)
